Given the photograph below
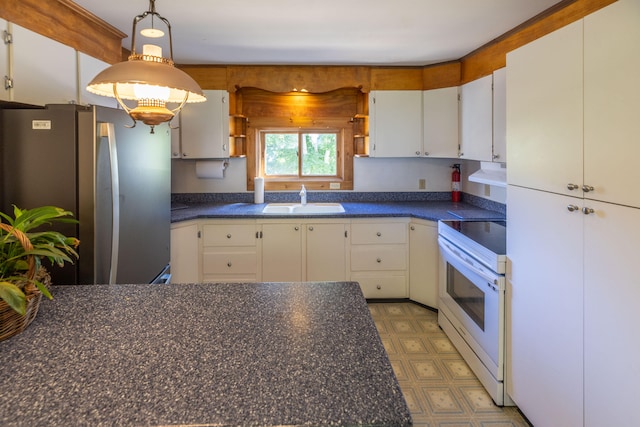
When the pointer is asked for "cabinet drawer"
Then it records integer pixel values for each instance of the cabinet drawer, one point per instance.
(229, 235)
(378, 257)
(229, 262)
(382, 286)
(378, 233)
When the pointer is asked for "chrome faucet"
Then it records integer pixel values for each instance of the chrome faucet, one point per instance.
(303, 196)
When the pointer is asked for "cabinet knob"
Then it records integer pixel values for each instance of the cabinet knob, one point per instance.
(587, 211)
(310, 228)
(587, 188)
(413, 228)
(572, 208)
(378, 234)
(378, 287)
(228, 236)
(296, 228)
(496, 156)
(378, 260)
(426, 153)
(460, 154)
(417, 153)
(572, 187)
(229, 264)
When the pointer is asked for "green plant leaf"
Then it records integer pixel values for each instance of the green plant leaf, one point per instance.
(13, 296)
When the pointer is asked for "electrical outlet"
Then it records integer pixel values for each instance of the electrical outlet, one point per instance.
(422, 184)
(334, 185)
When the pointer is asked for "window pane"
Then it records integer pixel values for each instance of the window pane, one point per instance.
(319, 154)
(281, 154)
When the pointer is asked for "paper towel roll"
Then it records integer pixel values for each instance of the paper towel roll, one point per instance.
(258, 189)
(210, 168)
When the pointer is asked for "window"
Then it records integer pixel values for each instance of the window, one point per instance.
(300, 154)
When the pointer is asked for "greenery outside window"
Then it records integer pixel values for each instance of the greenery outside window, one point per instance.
(300, 154)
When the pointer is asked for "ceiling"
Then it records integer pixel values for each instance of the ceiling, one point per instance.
(323, 32)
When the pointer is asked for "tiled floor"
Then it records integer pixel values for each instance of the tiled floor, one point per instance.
(438, 386)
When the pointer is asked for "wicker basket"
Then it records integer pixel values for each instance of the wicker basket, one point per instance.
(11, 322)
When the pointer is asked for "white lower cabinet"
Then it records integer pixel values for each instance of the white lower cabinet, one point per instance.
(305, 250)
(230, 251)
(379, 253)
(379, 257)
(185, 252)
(544, 299)
(423, 262)
(611, 295)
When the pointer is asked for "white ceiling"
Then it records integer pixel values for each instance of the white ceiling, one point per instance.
(323, 32)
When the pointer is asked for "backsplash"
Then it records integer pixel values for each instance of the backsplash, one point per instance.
(336, 196)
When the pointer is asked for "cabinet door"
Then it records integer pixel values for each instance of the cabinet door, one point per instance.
(326, 258)
(281, 252)
(441, 124)
(612, 103)
(545, 108)
(5, 95)
(476, 119)
(611, 298)
(423, 263)
(395, 123)
(44, 71)
(205, 127)
(184, 253)
(500, 115)
(88, 68)
(544, 299)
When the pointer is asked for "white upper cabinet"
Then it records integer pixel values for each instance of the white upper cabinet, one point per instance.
(88, 68)
(395, 123)
(44, 71)
(545, 105)
(4, 63)
(441, 124)
(204, 127)
(612, 103)
(476, 120)
(500, 115)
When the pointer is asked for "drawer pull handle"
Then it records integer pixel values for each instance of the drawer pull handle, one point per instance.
(379, 260)
(229, 264)
(228, 236)
(378, 234)
(378, 287)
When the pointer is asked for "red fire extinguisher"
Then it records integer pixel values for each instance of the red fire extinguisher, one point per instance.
(455, 183)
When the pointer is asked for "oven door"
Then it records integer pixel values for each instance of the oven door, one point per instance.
(472, 298)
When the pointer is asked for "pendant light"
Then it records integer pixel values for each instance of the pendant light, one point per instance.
(149, 79)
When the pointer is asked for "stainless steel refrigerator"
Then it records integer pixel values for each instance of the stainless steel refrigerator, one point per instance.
(115, 179)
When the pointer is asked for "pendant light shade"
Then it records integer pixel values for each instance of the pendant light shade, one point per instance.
(149, 79)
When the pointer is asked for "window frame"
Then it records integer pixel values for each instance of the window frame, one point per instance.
(300, 132)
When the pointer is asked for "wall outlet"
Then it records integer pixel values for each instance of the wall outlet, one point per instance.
(422, 184)
(334, 185)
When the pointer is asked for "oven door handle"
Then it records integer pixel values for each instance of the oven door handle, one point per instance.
(451, 252)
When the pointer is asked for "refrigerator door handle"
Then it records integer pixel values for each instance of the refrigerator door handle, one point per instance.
(107, 130)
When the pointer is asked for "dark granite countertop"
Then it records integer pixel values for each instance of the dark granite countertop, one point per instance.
(430, 210)
(201, 354)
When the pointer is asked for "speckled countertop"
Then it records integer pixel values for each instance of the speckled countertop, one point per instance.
(201, 354)
(430, 210)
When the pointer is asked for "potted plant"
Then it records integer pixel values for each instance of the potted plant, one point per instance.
(24, 243)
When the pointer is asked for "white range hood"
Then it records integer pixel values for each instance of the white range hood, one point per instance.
(491, 174)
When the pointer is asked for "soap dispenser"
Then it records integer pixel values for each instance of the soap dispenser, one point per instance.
(303, 196)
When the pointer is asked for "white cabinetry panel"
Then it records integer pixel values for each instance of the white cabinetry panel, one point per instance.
(44, 71)
(441, 124)
(476, 119)
(545, 307)
(545, 112)
(88, 68)
(204, 127)
(395, 123)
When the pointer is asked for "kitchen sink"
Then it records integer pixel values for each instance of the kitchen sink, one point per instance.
(298, 208)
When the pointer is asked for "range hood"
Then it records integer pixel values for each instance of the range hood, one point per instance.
(490, 174)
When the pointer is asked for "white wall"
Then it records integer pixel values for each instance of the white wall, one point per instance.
(370, 174)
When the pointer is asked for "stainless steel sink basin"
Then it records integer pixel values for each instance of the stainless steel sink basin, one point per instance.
(298, 208)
